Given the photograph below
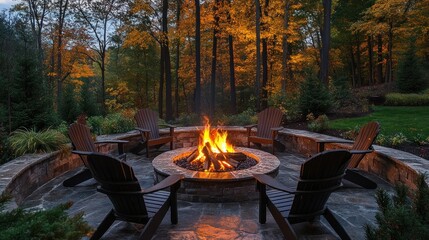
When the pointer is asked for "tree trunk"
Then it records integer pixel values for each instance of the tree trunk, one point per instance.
(258, 54)
(214, 59)
(167, 63)
(233, 94)
(352, 66)
(264, 102)
(326, 34)
(358, 64)
(176, 89)
(197, 59)
(285, 48)
(389, 54)
(161, 82)
(370, 61)
(379, 59)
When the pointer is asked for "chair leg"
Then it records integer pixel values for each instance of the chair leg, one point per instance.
(262, 203)
(147, 150)
(151, 226)
(355, 177)
(330, 217)
(173, 207)
(104, 225)
(78, 178)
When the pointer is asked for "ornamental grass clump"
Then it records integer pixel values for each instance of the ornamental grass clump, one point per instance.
(24, 141)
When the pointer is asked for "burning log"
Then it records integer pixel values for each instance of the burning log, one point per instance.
(237, 156)
(211, 157)
(192, 156)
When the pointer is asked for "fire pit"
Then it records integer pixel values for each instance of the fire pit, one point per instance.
(217, 180)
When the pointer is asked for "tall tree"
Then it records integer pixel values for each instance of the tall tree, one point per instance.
(98, 17)
(326, 38)
(62, 12)
(197, 96)
(233, 94)
(167, 62)
(214, 59)
(258, 53)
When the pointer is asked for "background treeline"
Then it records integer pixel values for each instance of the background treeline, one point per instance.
(60, 58)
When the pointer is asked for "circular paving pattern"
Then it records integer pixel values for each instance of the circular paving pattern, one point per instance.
(216, 186)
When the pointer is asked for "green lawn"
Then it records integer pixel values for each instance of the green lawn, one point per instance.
(409, 121)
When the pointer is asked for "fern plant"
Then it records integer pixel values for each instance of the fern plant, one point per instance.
(24, 141)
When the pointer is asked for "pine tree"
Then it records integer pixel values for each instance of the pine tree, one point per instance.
(30, 106)
(409, 75)
(69, 105)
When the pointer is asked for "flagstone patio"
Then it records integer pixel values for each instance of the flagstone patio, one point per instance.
(354, 206)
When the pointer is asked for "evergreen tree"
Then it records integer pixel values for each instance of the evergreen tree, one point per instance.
(30, 106)
(314, 97)
(87, 104)
(409, 74)
(69, 105)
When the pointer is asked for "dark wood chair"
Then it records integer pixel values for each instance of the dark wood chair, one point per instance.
(363, 144)
(130, 202)
(147, 125)
(81, 138)
(269, 124)
(320, 176)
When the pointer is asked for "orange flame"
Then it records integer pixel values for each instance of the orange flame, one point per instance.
(217, 141)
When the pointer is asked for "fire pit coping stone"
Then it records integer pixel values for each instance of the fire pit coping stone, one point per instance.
(267, 163)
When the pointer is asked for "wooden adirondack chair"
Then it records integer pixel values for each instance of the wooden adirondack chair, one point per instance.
(147, 124)
(320, 176)
(130, 202)
(81, 139)
(363, 143)
(269, 124)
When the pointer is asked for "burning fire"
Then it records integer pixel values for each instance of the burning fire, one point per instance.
(215, 141)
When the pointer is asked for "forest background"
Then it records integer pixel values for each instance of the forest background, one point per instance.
(183, 58)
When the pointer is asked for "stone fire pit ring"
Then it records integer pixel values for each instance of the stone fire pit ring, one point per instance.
(216, 186)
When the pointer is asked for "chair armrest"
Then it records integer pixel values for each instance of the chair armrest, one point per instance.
(81, 152)
(111, 141)
(250, 126)
(168, 182)
(167, 125)
(142, 129)
(271, 182)
(276, 129)
(361, 151)
(119, 142)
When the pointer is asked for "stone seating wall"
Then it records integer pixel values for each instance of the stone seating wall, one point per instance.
(21, 176)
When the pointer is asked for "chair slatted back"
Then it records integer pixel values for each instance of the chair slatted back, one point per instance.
(80, 136)
(148, 119)
(320, 175)
(268, 118)
(364, 141)
(114, 177)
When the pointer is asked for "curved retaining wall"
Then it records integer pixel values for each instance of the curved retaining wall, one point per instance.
(21, 176)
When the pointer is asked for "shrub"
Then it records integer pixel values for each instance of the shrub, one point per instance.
(314, 97)
(318, 124)
(24, 141)
(116, 123)
(398, 139)
(400, 217)
(244, 118)
(352, 133)
(189, 119)
(289, 106)
(412, 99)
(48, 224)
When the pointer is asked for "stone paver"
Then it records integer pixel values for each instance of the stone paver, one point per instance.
(234, 220)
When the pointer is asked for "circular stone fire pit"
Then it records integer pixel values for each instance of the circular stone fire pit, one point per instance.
(229, 186)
